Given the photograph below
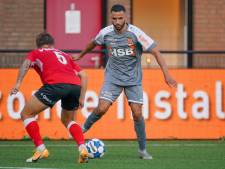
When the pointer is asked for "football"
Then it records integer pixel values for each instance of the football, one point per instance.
(96, 148)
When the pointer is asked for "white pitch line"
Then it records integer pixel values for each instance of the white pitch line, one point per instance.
(24, 168)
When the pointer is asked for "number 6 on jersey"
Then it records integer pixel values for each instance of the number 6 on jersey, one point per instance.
(60, 58)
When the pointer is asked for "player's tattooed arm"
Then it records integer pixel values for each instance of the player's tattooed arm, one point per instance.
(168, 79)
(88, 48)
(22, 72)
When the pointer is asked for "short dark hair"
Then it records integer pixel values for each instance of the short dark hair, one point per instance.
(118, 8)
(44, 38)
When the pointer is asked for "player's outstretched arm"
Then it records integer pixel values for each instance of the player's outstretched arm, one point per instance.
(84, 80)
(22, 72)
(169, 80)
(88, 48)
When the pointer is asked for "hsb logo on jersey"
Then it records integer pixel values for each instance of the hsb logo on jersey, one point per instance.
(122, 51)
(129, 51)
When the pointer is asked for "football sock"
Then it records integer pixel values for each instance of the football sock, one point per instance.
(81, 147)
(140, 132)
(32, 129)
(91, 120)
(76, 132)
(41, 148)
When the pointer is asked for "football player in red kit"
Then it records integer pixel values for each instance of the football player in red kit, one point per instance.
(62, 80)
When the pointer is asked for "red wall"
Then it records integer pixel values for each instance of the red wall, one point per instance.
(91, 22)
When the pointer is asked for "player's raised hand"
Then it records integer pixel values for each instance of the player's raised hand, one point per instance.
(15, 89)
(76, 57)
(170, 81)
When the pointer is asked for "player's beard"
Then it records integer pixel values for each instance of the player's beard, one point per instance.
(119, 27)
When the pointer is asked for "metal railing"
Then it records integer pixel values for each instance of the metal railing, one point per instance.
(12, 58)
(104, 51)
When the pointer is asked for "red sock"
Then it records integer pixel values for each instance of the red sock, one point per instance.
(32, 128)
(76, 132)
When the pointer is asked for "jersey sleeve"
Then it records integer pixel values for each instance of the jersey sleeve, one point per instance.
(75, 66)
(31, 56)
(146, 42)
(99, 39)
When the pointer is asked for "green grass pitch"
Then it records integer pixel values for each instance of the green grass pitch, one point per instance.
(119, 155)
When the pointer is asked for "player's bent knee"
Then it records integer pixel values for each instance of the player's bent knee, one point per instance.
(23, 116)
(137, 116)
(26, 114)
(100, 111)
(65, 120)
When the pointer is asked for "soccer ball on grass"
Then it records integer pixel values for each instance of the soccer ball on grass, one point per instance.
(96, 148)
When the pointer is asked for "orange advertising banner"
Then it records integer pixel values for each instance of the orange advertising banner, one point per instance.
(195, 110)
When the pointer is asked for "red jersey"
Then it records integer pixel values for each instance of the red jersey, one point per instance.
(54, 66)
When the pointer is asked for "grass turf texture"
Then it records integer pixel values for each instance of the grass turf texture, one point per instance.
(119, 155)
